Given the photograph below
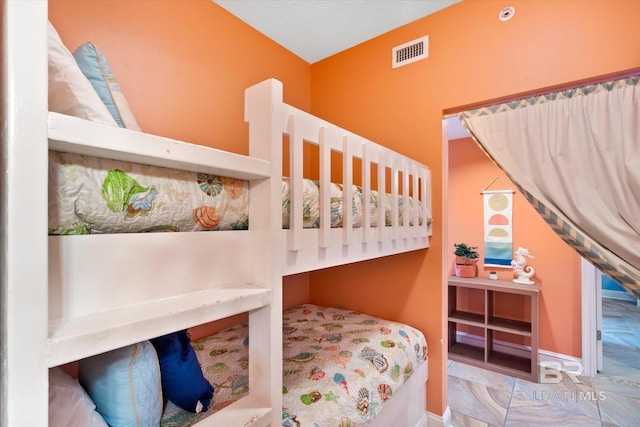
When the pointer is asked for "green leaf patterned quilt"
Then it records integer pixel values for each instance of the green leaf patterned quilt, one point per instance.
(91, 195)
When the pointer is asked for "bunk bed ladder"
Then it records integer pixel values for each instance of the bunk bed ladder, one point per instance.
(23, 299)
(263, 113)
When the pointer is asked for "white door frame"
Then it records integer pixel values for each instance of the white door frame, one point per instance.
(591, 290)
(591, 297)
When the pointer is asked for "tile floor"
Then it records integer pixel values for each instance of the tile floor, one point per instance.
(621, 339)
(478, 397)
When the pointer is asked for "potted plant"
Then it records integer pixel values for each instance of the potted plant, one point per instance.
(465, 262)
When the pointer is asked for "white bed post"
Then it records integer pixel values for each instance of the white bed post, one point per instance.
(296, 146)
(263, 111)
(427, 201)
(366, 193)
(406, 206)
(23, 298)
(382, 201)
(395, 223)
(325, 193)
(347, 190)
(415, 231)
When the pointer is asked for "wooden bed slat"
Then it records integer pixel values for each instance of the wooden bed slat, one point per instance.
(75, 338)
(347, 190)
(382, 189)
(295, 183)
(325, 196)
(73, 135)
(366, 192)
(327, 247)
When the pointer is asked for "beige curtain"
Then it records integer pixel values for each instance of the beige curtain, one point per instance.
(575, 155)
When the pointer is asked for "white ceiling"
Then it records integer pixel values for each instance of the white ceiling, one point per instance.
(317, 29)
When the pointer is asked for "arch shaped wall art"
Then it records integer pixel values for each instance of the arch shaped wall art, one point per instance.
(498, 228)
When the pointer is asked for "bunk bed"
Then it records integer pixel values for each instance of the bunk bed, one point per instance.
(103, 292)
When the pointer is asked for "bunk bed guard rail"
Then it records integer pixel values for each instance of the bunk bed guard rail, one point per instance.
(402, 221)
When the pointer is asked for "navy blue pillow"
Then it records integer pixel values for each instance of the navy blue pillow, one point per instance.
(182, 380)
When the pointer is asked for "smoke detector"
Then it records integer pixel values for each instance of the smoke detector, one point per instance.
(507, 13)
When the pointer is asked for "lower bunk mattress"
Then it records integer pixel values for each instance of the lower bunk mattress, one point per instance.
(340, 367)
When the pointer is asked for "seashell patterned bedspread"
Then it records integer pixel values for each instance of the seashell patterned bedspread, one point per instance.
(90, 195)
(339, 367)
(311, 206)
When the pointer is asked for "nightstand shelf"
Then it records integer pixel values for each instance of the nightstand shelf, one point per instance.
(466, 352)
(467, 318)
(509, 325)
(485, 338)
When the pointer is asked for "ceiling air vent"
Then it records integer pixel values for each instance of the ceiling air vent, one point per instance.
(410, 52)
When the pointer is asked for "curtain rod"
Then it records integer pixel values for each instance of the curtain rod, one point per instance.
(449, 112)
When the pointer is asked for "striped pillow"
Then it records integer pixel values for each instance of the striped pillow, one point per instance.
(95, 67)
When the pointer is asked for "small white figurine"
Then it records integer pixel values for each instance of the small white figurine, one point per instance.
(524, 273)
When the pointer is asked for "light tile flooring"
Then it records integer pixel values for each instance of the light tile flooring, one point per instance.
(478, 397)
(621, 339)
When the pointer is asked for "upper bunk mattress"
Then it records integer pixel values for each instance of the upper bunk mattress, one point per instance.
(91, 195)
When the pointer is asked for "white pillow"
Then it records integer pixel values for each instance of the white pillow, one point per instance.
(70, 92)
(69, 404)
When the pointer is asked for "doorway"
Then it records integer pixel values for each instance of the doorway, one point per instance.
(611, 328)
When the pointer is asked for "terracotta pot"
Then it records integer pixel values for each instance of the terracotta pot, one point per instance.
(465, 261)
(466, 270)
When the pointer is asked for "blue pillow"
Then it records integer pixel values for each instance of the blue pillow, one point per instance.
(96, 69)
(182, 380)
(125, 385)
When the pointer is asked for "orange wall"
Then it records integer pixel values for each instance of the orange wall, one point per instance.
(557, 266)
(473, 57)
(183, 65)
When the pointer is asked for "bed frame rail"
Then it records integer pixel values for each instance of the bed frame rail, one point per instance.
(381, 170)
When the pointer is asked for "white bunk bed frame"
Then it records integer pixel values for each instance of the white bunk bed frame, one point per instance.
(66, 298)
(307, 249)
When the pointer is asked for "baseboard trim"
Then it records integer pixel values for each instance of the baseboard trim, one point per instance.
(550, 356)
(544, 356)
(434, 420)
(424, 420)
